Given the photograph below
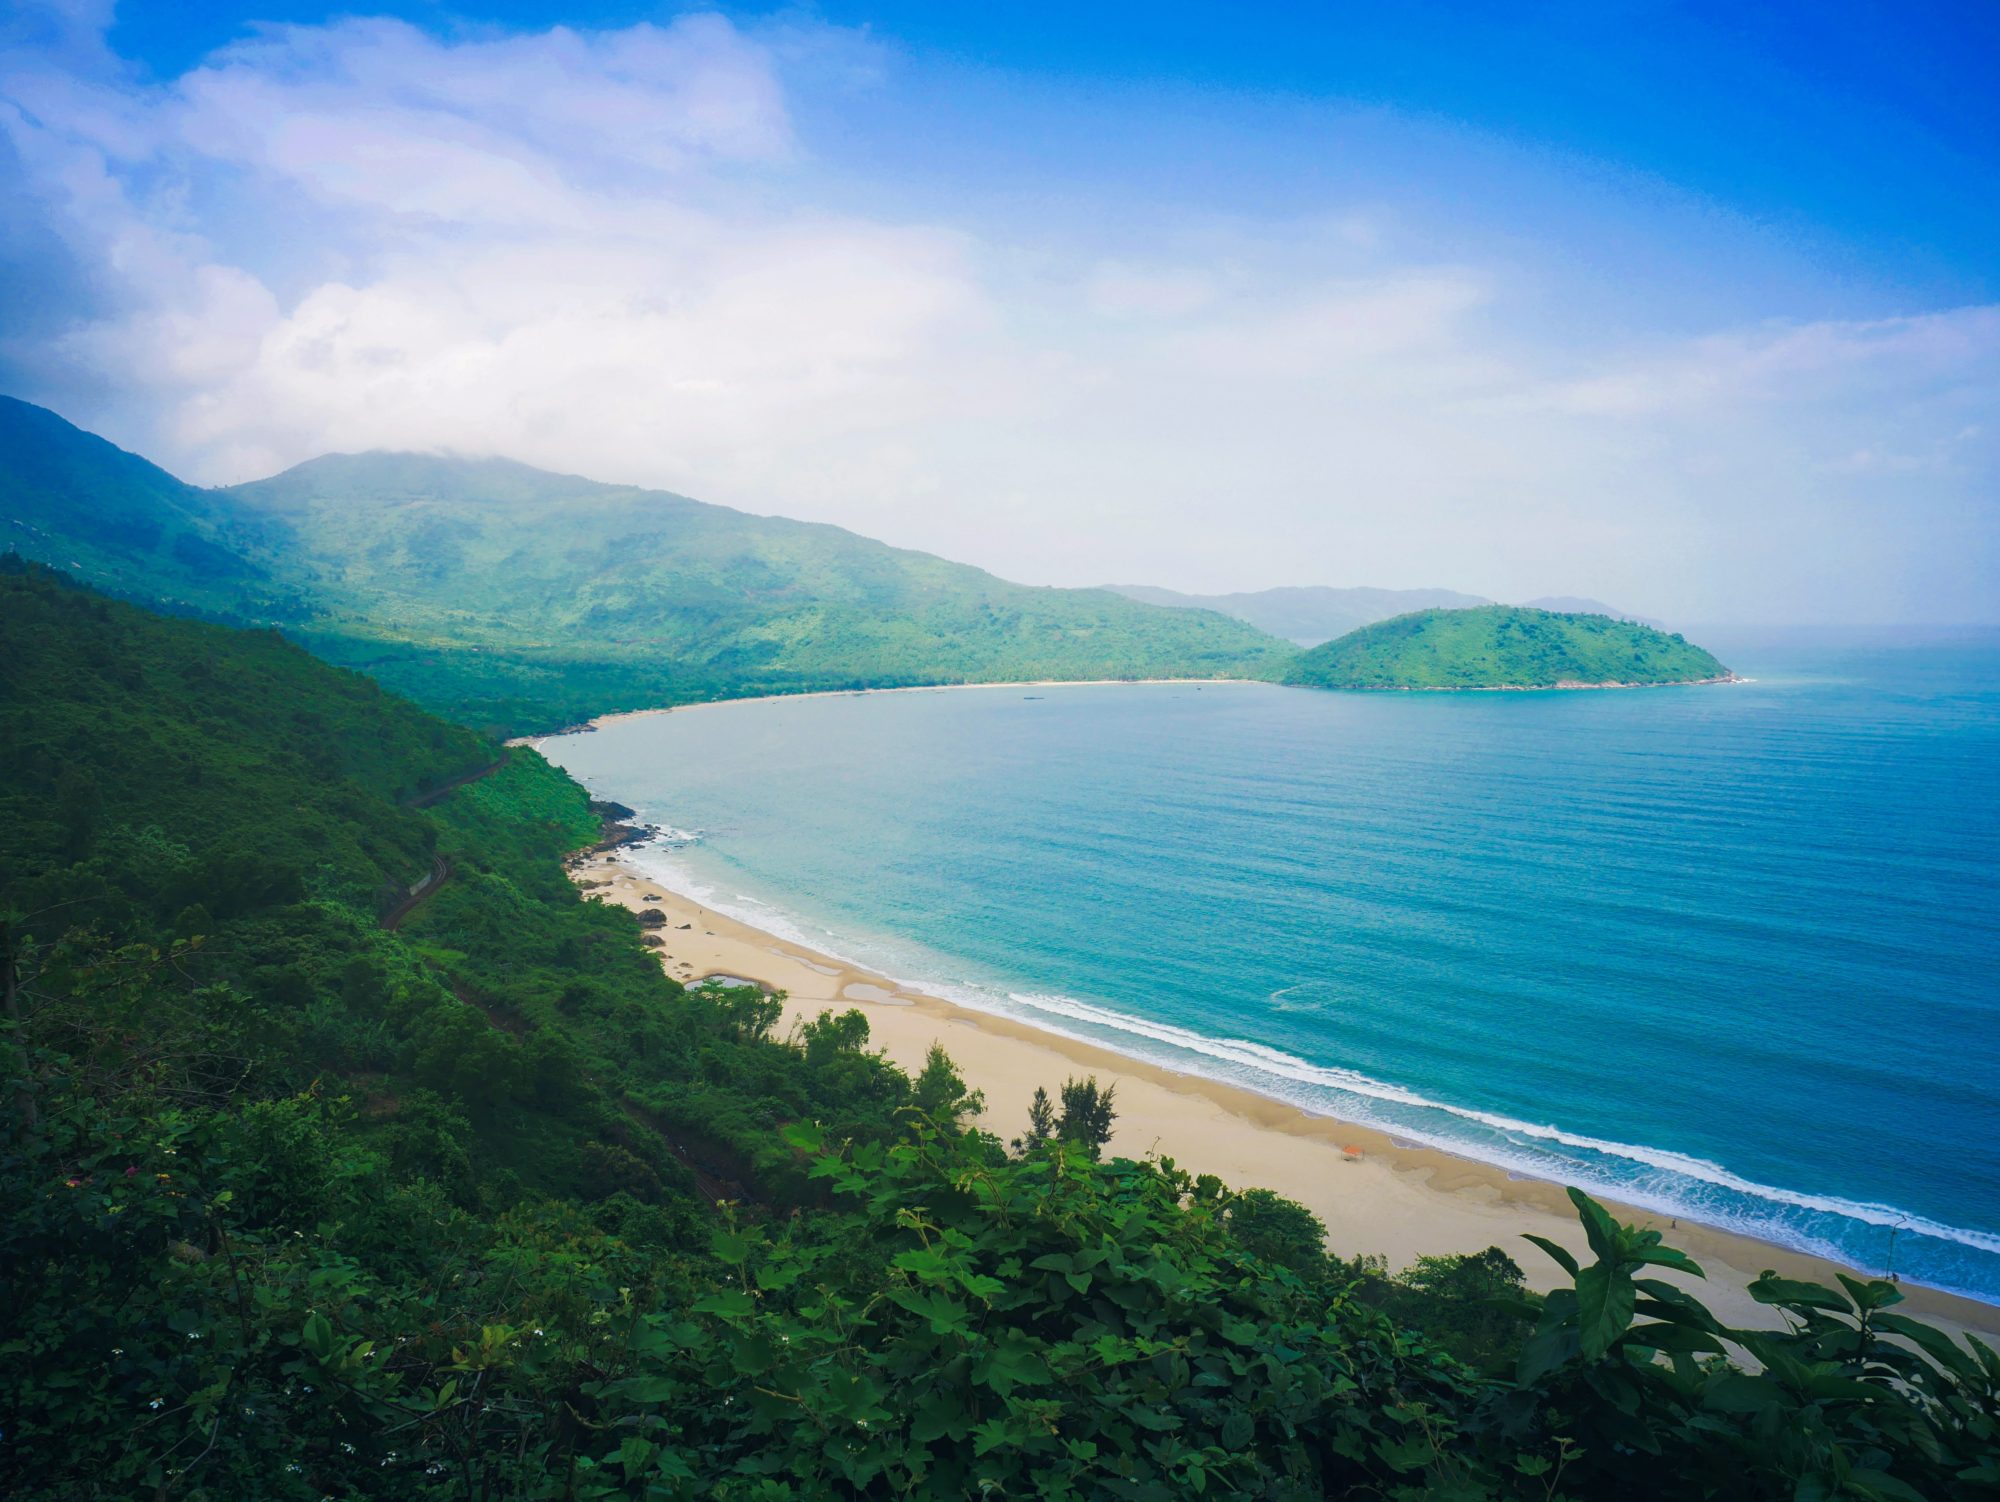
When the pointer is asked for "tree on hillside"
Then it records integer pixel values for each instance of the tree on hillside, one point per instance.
(940, 1093)
(1041, 1122)
(1087, 1113)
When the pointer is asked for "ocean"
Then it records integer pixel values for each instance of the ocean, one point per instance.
(1731, 953)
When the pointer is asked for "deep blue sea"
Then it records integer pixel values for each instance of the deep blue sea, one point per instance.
(1727, 952)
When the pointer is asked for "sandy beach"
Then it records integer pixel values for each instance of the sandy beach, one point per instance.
(1375, 1195)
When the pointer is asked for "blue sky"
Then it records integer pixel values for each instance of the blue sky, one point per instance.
(1693, 307)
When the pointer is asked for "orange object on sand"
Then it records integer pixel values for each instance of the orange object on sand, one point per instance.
(1352, 1152)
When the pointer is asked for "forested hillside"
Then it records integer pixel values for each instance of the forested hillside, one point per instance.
(70, 500)
(513, 599)
(316, 1191)
(1502, 646)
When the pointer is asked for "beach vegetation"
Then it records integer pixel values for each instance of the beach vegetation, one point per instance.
(1041, 1121)
(1476, 1305)
(1086, 1114)
(1277, 1230)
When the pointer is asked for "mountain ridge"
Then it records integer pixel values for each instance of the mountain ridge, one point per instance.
(514, 598)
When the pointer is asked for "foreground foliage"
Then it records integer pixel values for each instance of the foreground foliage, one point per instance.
(484, 1206)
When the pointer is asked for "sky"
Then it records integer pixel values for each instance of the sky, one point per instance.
(1682, 307)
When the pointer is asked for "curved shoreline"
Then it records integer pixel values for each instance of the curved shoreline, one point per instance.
(1375, 1193)
(1565, 687)
(618, 716)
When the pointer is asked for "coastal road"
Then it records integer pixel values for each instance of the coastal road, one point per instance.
(425, 800)
(418, 895)
(440, 871)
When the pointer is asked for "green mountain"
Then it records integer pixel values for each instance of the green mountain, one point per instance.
(347, 1151)
(642, 597)
(1307, 614)
(513, 598)
(75, 502)
(1502, 646)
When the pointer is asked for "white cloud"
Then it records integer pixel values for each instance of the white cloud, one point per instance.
(1118, 290)
(609, 252)
(1784, 362)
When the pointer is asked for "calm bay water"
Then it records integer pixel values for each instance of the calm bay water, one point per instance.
(1729, 952)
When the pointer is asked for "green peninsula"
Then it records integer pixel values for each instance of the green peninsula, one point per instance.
(1503, 646)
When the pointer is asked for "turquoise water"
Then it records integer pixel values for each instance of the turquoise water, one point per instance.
(1731, 952)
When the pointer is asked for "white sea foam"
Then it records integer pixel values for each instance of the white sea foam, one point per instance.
(1277, 1064)
(1655, 1179)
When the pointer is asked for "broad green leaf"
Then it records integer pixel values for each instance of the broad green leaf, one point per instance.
(1605, 1239)
(803, 1136)
(1667, 1256)
(1012, 1361)
(729, 1246)
(1546, 1350)
(1772, 1289)
(940, 1416)
(635, 1454)
(1604, 1303)
(1560, 1253)
(317, 1335)
(991, 1435)
(1875, 1294)
(730, 1303)
(924, 1263)
(947, 1316)
(1933, 1342)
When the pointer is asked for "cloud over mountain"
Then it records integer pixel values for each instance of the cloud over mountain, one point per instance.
(664, 253)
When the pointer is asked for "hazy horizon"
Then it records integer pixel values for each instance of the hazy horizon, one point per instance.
(1698, 321)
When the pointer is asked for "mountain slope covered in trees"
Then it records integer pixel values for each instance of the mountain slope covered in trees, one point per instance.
(75, 502)
(559, 582)
(512, 598)
(1502, 646)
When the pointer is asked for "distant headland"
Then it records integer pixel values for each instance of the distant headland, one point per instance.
(1504, 647)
